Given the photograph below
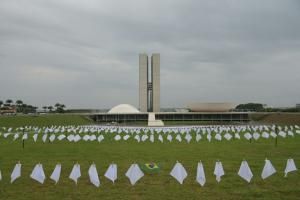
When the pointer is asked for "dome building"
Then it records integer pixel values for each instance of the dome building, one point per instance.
(123, 109)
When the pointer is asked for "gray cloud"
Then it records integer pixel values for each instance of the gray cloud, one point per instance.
(85, 53)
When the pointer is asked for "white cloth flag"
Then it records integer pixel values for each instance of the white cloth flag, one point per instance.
(35, 137)
(61, 137)
(44, 138)
(144, 138)
(218, 137)
(256, 136)
(268, 170)
(290, 166)
(169, 137)
(160, 138)
(248, 136)
(245, 171)
(198, 137)
(228, 136)
(117, 137)
(237, 136)
(282, 134)
(16, 173)
(178, 137)
(265, 135)
(178, 172)
(188, 138)
(93, 174)
(152, 138)
(100, 138)
(56, 173)
(137, 137)
(219, 171)
(200, 174)
(38, 173)
(126, 137)
(25, 136)
(273, 134)
(16, 136)
(0, 176)
(75, 173)
(52, 138)
(111, 173)
(134, 173)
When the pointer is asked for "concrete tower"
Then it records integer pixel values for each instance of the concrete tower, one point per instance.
(155, 79)
(143, 82)
(149, 83)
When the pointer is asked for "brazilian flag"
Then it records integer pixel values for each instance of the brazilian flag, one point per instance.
(150, 168)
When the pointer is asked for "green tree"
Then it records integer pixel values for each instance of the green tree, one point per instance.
(250, 106)
(45, 108)
(50, 108)
(1, 103)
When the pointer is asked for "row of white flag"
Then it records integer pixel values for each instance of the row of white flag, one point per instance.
(151, 137)
(138, 130)
(134, 173)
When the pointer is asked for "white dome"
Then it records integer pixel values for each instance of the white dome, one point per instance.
(123, 108)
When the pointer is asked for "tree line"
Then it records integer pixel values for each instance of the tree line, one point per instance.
(20, 107)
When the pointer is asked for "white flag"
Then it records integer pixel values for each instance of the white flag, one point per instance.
(44, 138)
(38, 173)
(169, 137)
(228, 136)
(117, 137)
(219, 171)
(134, 173)
(16, 173)
(198, 137)
(52, 138)
(56, 173)
(100, 138)
(200, 174)
(218, 137)
(178, 137)
(188, 137)
(75, 173)
(178, 172)
(61, 137)
(160, 138)
(290, 166)
(152, 138)
(93, 174)
(25, 136)
(268, 170)
(0, 176)
(245, 171)
(256, 136)
(35, 137)
(111, 172)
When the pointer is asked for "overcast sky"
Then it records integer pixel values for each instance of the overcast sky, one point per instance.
(85, 53)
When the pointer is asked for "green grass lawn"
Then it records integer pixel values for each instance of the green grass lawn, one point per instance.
(157, 186)
(43, 120)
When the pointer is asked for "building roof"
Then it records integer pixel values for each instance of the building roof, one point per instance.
(123, 108)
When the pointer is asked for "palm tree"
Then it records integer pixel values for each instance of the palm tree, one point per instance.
(57, 105)
(45, 108)
(8, 102)
(50, 108)
(19, 102)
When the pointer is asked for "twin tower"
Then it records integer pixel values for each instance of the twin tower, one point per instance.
(149, 83)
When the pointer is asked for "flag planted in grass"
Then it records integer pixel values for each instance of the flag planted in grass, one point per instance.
(150, 168)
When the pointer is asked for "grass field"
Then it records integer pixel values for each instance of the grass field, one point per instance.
(157, 186)
(43, 120)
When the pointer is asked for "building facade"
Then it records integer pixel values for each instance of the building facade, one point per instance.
(149, 83)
